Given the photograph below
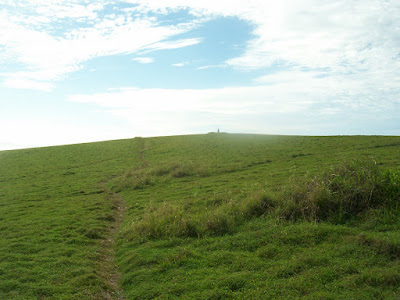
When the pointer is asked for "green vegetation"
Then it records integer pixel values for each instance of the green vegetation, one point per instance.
(54, 214)
(217, 216)
(342, 193)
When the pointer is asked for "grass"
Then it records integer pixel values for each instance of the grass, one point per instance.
(342, 193)
(53, 216)
(217, 216)
(165, 220)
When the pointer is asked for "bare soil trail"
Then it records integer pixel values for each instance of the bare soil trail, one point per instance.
(107, 268)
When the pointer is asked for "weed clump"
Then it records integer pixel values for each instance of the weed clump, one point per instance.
(342, 193)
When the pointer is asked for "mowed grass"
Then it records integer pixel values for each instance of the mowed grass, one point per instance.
(216, 216)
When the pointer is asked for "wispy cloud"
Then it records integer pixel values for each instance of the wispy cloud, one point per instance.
(284, 102)
(340, 55)
(47, 53)
(339, 34)
(211, 66)
(335, 35)
(27, 84)
(167, 45)
(307, 67)
(181, 64)
(144, 60)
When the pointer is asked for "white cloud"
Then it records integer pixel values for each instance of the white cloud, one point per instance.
(284, 92)
(342, 36)
(300, 99)
(340, 59)
(211, 66)
(338, 35)
(46, 56)
(23, 83)
(144, 60)
(181, 64)
(226, 101)
(57, 9)
(173, 44)
(284, 101)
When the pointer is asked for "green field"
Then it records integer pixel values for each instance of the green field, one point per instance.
(215, 216)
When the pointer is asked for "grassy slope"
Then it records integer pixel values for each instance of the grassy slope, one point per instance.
(263, 257)
(53, 215)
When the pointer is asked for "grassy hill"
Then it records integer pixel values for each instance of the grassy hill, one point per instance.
(216, 216)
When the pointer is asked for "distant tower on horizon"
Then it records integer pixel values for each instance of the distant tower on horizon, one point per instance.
(218, 130)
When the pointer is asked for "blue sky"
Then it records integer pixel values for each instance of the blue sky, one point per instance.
(74, 71)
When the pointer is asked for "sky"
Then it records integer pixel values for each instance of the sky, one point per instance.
(81, 71)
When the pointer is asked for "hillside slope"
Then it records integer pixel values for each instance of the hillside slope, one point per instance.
(207, 217)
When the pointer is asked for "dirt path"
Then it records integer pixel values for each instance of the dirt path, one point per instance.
(107, 267)
(142, 150)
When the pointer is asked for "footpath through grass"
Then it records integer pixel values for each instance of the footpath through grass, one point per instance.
(217, 216)
(55, 217)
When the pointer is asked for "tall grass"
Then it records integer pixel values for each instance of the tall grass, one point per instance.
(342, 193)
(168, 220)
(337, 195)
